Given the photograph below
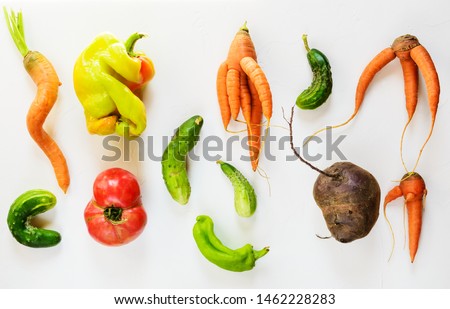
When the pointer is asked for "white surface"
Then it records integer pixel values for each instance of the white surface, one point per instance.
(187, 41)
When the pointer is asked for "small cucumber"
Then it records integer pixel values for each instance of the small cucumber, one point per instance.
(26, 206)
(320, 89)
(244, 194)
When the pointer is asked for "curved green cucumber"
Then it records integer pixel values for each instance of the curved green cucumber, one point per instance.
(244, 194)
(216, 252)
(320, 89)
(26, 206)
(174, 159)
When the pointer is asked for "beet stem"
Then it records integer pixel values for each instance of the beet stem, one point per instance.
(291, 141)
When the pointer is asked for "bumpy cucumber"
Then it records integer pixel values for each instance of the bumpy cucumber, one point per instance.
(174, 159)
(26, 206)
(320, 89)
(244, 194)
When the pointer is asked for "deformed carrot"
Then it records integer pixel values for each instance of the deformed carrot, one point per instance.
(412, 188)
(242, 86)
(47, 82)
(413, 58)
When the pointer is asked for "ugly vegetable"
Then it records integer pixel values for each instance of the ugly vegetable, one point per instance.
(412, 56)
(348, 195)
(242, 85)
(24, 208)
(44, 76)
(174, 159)
(244, 194)
(320, 89)
(108, 77)
(242, 259)
(412, 188)
(350, 202)
(115, 215)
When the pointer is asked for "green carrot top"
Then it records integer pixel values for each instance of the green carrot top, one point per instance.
(14, 22)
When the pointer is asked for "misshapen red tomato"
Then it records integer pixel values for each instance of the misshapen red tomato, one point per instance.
(115, 215)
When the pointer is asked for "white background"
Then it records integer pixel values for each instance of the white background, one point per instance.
(187, 42)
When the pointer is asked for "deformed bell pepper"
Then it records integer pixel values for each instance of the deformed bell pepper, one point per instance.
(108, 78)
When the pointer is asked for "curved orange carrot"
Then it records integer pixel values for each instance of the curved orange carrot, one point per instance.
(426, 66)
(47, 82)
(374, 66)
(263, 102)
(259, 80)
(222, 94)
(411, 82)
(413, 189)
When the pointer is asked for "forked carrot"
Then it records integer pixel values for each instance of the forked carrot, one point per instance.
(413, 58)
(47, 82)
(242, 86)
(412, 188)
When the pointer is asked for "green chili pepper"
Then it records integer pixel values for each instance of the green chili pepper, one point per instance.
(108, 77)
(213, 250)
(320, 89)
(244, 194)
(26, 206)
(174, 159)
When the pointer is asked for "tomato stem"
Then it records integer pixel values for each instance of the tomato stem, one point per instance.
(113, 214)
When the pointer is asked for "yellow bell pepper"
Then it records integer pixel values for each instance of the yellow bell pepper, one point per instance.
(108, 76)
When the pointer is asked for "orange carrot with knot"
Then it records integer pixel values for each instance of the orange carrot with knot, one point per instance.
(47, 82)
(412, 188)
